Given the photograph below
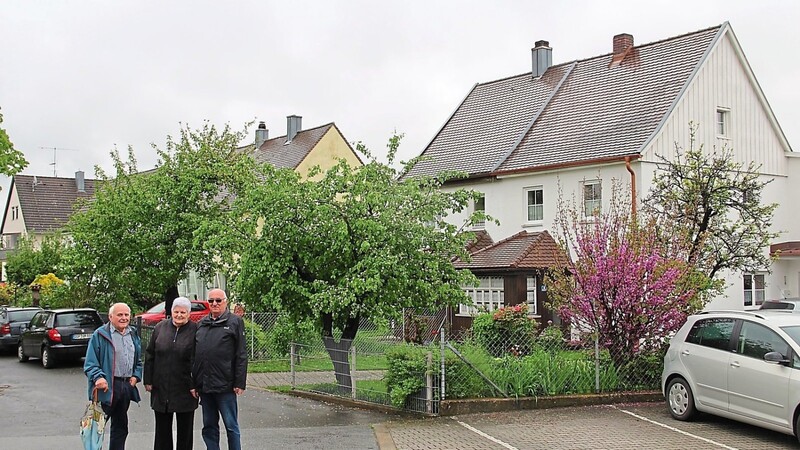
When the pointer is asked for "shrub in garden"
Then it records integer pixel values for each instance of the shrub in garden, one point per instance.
(405, 376)
(551, 339)
(257, 340)
(643, 371)
(506, 330)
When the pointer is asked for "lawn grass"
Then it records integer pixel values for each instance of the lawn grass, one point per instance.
(316, 363)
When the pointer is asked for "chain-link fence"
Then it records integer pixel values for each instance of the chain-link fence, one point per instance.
(418, 360)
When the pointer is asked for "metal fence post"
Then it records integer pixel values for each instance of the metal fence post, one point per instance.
(353, 369)
(292, 350)
(596, 365)
(441, 374)
(429, 383)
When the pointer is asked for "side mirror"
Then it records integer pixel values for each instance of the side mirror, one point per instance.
(776, 358)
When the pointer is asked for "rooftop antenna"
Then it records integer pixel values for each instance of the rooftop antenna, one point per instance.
(54, 149)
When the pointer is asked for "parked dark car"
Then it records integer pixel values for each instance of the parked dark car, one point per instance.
(12, 321)
(58, 334)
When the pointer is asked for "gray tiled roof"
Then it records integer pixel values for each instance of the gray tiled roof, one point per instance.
(289, 155)
(47, 205)
(592, 111)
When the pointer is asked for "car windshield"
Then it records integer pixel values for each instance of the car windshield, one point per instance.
(159, 308)
(76, 319)
(793, 331)
(22, 316)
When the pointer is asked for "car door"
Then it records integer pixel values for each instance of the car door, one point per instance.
(758, 389)
(705, 354)
(32, 337)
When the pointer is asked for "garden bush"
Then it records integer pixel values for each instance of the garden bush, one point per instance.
(506, 330)
(285, 331)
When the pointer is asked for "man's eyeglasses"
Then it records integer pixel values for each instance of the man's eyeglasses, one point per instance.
(216, 300)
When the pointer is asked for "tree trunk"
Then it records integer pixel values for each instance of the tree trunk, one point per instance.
(170, 295)
(339, 351)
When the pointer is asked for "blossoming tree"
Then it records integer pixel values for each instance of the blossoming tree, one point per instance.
(626, 285)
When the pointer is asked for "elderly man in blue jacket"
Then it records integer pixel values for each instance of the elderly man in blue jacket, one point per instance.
(113, 366)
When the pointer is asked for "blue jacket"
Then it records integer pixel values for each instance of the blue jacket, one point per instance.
(100, 362)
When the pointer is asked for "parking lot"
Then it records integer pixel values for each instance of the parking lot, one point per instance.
(632, 426)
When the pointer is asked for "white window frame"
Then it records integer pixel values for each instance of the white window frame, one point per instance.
(489, 295)
(527, 192)
(722, 122)
(531, 296)
(754, 295)
(597, 203)
(480, 225)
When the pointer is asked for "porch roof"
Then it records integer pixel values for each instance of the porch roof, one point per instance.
(524, 250)
(785, 249)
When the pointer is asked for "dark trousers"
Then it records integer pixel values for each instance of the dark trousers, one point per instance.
(117, 412)
(185, 435)
(214, 406)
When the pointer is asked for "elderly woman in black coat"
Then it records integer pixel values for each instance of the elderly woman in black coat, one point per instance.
(168, 376)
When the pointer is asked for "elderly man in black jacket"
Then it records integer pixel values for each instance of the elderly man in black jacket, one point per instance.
(168, 376)
(220, 370)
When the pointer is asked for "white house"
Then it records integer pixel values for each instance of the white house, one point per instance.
(580, 124)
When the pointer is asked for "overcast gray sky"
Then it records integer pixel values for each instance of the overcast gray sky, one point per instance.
(85, 76)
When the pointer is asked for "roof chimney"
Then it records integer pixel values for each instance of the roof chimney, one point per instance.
(293, 126)
(262, 134)
(542, 58)
(80, 183)
(622, 42)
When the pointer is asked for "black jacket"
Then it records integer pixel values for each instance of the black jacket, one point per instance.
(168, 367)
(220, 362)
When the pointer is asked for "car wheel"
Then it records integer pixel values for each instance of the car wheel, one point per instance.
(680, 399)
(48, 362)
(21, 354)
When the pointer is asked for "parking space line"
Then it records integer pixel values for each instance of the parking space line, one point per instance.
(491, 438)
(674, 429)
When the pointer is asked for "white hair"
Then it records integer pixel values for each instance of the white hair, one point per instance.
(182, 302)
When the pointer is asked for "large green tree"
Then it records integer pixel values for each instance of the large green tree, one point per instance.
(717, 203)
(136, 239)
(359, 242)
(12, 161)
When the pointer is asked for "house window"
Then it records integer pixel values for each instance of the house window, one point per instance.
(534, 200)
(488, 296)
(722, 122)
(14, 212)
(479, 205)
(753, 289)
(530, 296)
(592, 198)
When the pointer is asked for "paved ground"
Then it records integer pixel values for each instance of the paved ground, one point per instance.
(40, 409)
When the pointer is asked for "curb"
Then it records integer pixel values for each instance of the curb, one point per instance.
(458, 407)
(383, 437)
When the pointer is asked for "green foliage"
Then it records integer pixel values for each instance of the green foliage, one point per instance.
(12, 161)
(551, 339)
(257, 338)
(643, 371)
(716, 203)
(355, 242)
(507, 330)
(7, 293)
(31, 260)
(138, 237)
(406, 373)
(286, 331)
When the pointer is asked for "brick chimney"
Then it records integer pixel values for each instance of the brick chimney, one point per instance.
(622, 42)
(542, 58)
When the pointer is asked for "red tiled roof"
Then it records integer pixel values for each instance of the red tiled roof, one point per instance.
(791, 248)
(480, 241)
(47, 203)
(523, 250)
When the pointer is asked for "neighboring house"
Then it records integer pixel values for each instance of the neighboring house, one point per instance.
(38, 206)
(569, 129)
(298, 149)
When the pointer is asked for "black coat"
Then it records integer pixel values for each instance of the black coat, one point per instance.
(168, 367)
(220, 362)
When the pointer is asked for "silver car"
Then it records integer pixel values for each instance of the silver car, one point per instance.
(743, 365)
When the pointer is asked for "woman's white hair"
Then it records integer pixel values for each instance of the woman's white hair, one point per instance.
(182, 302)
